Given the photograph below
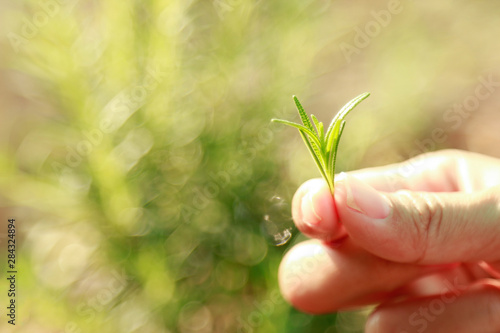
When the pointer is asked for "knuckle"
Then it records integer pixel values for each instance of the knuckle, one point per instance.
(421, 220)
(431, 213)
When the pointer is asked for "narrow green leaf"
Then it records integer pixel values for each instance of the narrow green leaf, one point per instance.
(332, 142)
(330, 138)
(344, 111)
(316, 159)
(332, 158)
(319, 154)
(310, 133)
(319, 127)
(303, 114)
(287, 122)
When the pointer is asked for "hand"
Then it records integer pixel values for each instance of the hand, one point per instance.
(422, 238)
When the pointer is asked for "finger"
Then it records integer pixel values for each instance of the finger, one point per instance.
(318, 278)
(421, 227)
(313, 211)
(434, 172)
(442, 171)
(476, 309)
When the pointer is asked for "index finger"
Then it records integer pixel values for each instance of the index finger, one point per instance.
(441, 171)
(313, 207)
(432, 172)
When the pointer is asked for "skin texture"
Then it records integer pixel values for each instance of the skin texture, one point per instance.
(421, 239)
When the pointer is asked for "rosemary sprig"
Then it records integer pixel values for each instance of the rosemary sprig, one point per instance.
(323, 146)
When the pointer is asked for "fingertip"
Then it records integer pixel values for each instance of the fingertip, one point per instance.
(301, 279)
(314, 211)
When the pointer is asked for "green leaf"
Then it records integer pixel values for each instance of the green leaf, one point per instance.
(319, 153)
(309, 132)
(323, 148)
(319, 127)
(331, 136)
(313, 153)
(332, 158)
(345, 110)
(303, 114)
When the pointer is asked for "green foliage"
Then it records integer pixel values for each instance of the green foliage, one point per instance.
(323, 148)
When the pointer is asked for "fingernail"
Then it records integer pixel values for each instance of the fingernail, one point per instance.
(317, 206)
(373, 323)
(365, 199)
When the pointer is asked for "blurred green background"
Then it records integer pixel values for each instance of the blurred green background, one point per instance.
(149, 188)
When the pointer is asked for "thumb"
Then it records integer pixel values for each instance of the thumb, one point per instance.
(421, 227)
